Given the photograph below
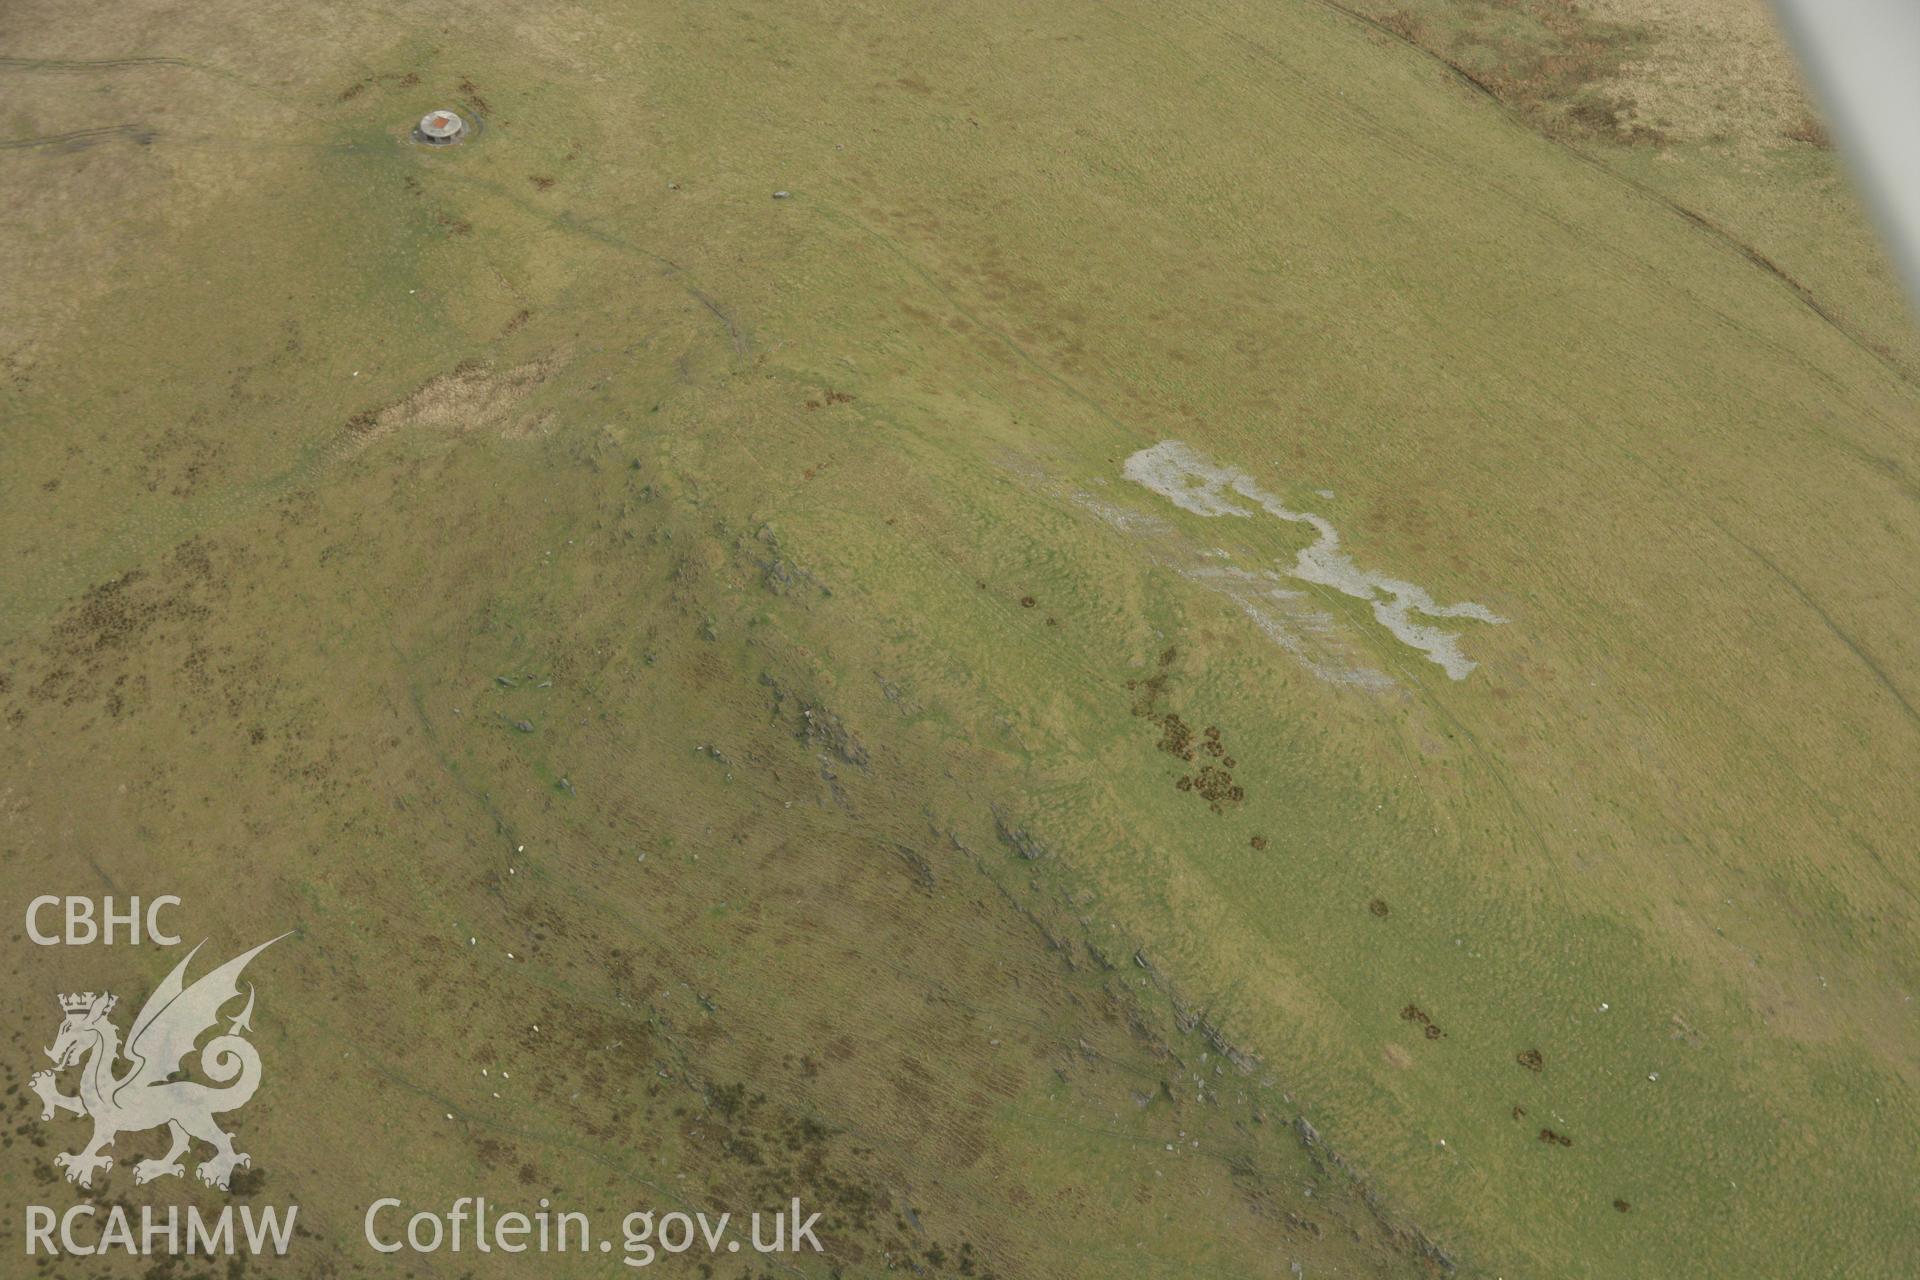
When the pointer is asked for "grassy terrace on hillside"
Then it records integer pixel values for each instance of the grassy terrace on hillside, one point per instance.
(796, 533)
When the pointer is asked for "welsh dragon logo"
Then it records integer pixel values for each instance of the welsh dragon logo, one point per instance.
(146, 1095)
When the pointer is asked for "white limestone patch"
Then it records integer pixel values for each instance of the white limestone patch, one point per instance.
(1194, 483)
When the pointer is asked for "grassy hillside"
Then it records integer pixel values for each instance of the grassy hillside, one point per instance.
(577, 590)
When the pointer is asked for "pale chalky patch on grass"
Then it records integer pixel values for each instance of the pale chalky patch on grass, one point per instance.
(1194, 483)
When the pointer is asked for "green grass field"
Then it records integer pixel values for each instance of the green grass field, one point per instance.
(734, 616)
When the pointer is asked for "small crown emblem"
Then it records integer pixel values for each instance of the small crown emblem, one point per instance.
(81, 1001)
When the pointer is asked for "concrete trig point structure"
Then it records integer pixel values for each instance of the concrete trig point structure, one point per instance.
(441, 128)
